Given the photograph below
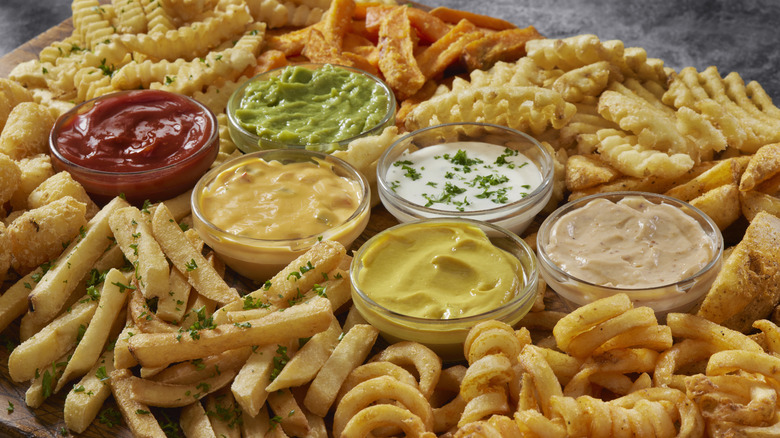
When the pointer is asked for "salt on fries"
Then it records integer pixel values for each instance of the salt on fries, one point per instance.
(284, 359)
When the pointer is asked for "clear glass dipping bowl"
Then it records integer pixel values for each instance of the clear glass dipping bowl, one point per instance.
(679, 296)
(446, 336)
(514, 216)
(250, 142)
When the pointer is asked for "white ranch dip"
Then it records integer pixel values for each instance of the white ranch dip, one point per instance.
(463, 176)
(633, 243)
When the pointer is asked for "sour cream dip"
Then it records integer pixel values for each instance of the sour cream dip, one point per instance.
(463, 176)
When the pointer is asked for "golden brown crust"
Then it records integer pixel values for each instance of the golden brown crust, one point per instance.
(748, 286)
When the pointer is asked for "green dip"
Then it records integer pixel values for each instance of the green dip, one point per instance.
(306, 107)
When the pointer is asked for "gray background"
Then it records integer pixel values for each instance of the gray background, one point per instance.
(734, 35)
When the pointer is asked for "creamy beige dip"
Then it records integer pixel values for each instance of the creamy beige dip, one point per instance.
(633, 243)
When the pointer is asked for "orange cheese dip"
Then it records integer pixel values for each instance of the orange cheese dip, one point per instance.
(278, 201)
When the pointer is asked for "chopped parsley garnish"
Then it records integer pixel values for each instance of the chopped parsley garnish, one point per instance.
(280, 360)
(191, 265)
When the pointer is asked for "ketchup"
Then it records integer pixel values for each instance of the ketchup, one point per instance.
(135, 132)
(141, 144)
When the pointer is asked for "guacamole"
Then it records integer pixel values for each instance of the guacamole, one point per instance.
(302, 106)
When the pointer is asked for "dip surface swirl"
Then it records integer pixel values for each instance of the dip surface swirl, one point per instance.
(274, 200)
(304, 106)
(439, 271)
(632, 243)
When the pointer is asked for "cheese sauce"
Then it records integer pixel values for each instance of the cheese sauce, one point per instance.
(274, 200)
(633, 243)
(463, 176)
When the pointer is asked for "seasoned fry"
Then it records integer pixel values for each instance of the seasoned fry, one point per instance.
(137, 415)
(299, 321)
(454, 16)
(348, 354)
(53, 289)
(305, 364)
(112, 300)
(133, 234)
(447, 49)
(86, 398)
(506, 45)
(49, 344)
(396, 54)
(199, 272)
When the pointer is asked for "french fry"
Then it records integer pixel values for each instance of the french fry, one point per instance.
(85, 399)
(454, 16)
(13, 302)
(585, 317)
(224, 414)
(305, 364)
(49, 344)
(195, 423)
(122, 356)
(299, 321)
(167, 395)
(196, 370)
(447, 49)
(174, 306)
(137, 415)
(50, 294)
(249, 385)
(336, 23)
(506, 45)
(42, 385)
(689, 326)
(396, 54)
(723, 173)
(348, 354)
(283, 404)
(300, 275)
(112, 299)
(133, 234)
(201, 275)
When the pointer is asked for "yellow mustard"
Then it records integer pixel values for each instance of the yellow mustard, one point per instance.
(274, 201)
(439, 271)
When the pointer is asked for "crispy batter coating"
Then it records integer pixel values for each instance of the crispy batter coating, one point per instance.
(10, 176)
(35, 170)
(26, 132)
(40, 234)
(59, 186)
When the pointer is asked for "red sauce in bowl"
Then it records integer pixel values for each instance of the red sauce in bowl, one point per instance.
(144, 144)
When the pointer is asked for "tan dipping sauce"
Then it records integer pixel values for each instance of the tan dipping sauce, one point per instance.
(633, 243)
(272, 200)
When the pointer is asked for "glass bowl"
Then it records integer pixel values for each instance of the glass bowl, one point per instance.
(157, 180)
(681, 295)
(259, 258)
(514, 215)
(249, 141)
(444, 336)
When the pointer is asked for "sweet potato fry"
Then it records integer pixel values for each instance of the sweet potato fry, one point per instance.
(269, 60)
(290, 43)
(396, 54)
(454, 16)
(428, 27)
(375, 15)
(447, 49)
(336, 23)
(506, 45)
